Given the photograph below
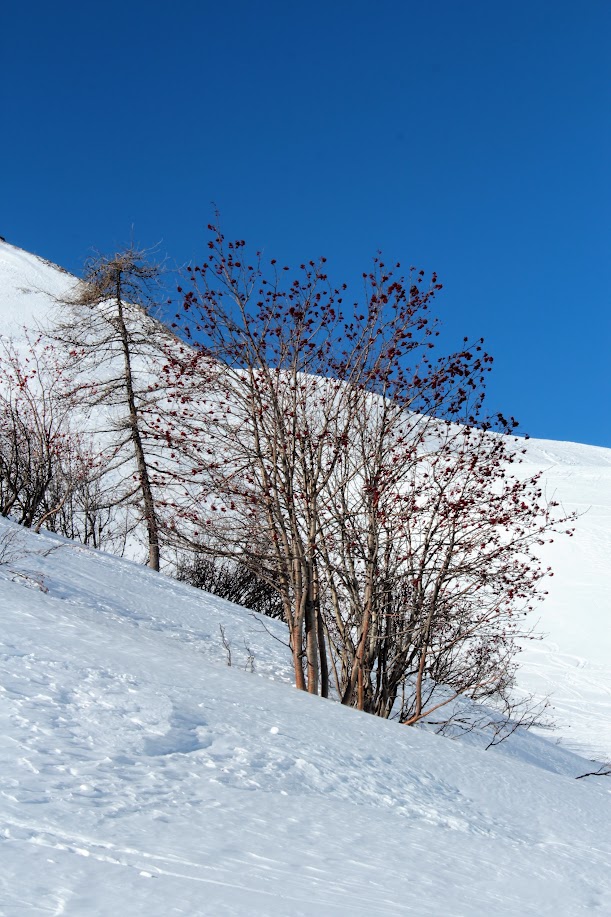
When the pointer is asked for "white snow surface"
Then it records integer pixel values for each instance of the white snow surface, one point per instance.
(29, 286)
(141, 775)
(573, 663)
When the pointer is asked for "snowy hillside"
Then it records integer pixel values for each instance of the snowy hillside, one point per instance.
(573, 663)
(28, 287)
(141, 775)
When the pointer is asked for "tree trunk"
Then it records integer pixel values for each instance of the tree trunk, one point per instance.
(311, 628)
(324, 662)
(143, 476)
(300, 683)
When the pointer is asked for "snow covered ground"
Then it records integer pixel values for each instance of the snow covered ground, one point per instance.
(28, 287)
(141, 775)
(573, 663)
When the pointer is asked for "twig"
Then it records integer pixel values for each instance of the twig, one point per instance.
(226, 644)
(603, 771)
(259, 620)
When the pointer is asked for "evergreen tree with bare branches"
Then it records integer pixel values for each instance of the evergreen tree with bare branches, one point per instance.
(113, 350)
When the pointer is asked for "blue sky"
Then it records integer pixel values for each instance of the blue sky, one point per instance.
(464, 136)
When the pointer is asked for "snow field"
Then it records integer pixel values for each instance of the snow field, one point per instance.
(143, 776)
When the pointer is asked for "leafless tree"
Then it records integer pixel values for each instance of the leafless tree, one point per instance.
(400, 541)
(113, 349)
(430, 563)
(43, 460)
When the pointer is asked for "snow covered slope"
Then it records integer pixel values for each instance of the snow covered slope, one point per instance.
(573, 663)
(140, 775)
(29, 286)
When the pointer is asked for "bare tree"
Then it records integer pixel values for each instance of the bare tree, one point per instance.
(430, 563)
(401, 544)
(43, 460)
(113, 350)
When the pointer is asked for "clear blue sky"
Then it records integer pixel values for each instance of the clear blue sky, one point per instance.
(470, 137)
